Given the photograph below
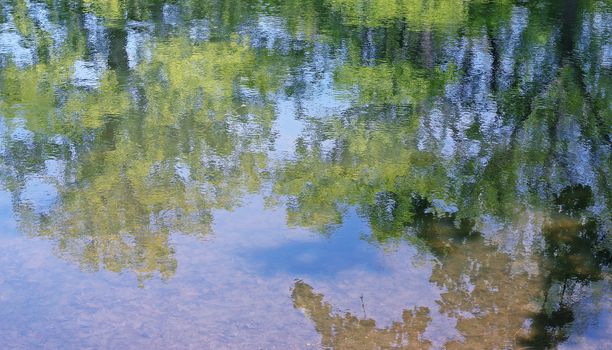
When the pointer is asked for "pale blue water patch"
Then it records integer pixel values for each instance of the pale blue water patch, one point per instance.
(138, 43)
(171, 15)
(38, 193)
(326, 257)
(593, 326)
(13, 45)
(87, 74)
(287, 127)
(8, 227)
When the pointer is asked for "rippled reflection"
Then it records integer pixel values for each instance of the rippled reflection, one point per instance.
(351, 332)
(374, 151)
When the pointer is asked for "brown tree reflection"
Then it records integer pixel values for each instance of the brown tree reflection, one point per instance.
(501, 297)
(348, 331)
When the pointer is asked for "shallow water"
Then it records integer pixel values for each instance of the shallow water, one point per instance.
(337, 174)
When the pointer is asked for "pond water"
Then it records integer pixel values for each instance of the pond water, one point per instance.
(337, 174)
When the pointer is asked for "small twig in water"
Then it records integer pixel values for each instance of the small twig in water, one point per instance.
(363, 307)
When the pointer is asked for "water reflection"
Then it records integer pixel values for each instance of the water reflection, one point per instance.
(351, 332)
(474, 133)
(499, 298)
(134, 166)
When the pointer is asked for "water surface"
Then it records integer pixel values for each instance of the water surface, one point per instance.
(338, 174)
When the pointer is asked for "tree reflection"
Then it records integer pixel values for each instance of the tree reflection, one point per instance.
(500, 297)
(491, 293)
(137, 159)
(146, 116)
(351, 332)
(575, 255)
